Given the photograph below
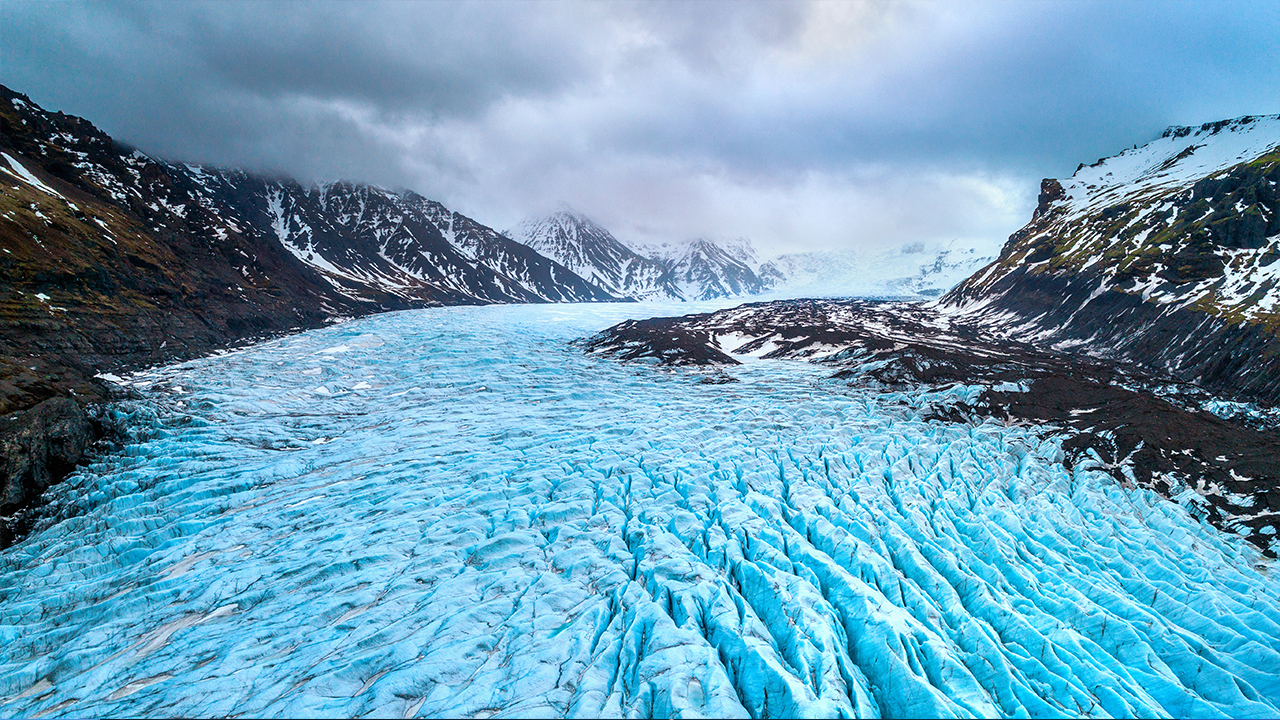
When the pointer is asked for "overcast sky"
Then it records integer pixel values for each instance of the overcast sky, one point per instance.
(799, 125)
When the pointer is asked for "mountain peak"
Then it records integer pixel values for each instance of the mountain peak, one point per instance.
(591, 251)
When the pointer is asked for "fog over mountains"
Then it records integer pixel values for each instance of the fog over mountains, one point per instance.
(707, 268)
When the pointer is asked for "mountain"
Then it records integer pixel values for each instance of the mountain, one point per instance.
(113, 259)
(368, 242)
(1164, 255)
(912, 269)
(700, 269)
(594, 253)
(704, 269)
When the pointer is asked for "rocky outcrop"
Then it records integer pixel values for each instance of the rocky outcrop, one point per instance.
(38, 447)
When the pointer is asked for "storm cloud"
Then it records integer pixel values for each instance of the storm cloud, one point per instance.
(800, 125)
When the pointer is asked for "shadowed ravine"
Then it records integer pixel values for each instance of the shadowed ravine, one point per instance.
(456, 512)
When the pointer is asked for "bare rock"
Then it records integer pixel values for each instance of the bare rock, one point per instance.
(38, 447)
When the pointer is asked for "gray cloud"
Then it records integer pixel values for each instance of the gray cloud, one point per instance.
(799, 124)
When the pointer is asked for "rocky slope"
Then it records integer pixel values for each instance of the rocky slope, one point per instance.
(592, 252)
(1164, 255)
(114, 259)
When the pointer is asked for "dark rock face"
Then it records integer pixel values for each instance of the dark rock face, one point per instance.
(38, 447)
(1143, 429)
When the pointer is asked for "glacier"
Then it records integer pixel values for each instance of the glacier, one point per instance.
(457, 512)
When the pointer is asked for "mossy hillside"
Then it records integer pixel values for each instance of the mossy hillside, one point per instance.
(1180, 238)
(98, 279)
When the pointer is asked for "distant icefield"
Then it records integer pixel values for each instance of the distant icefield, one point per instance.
(455, 512)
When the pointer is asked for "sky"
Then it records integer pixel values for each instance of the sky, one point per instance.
(800, 125)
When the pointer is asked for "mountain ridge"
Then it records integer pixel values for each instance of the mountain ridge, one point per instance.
(1163, 255)
(590, 250)
(113, 259)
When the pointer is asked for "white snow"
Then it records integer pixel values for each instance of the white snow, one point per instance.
(18, 170)
(901, 270)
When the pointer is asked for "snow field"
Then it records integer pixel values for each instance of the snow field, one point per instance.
(478, 520)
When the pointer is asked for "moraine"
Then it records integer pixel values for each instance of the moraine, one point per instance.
(456, 512)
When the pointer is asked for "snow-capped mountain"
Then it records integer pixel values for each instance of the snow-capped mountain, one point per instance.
(592, 252)
(1165, 255)
(112, 236)
(700, 269)
(704, 269)
(909, 270)
(366, 240)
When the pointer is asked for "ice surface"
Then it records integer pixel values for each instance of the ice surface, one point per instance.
(480, 520)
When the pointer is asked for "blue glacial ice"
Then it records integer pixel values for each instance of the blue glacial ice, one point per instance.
(454, 512)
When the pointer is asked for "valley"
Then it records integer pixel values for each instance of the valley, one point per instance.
(272, 448)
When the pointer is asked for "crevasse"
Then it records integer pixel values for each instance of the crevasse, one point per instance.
(454, 512)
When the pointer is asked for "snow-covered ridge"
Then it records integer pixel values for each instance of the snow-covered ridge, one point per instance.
(1181, 156)
(592, 252)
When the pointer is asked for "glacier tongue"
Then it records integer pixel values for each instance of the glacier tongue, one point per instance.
(478, 519)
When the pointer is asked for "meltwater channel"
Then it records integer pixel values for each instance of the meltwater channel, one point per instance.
(455, 512)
